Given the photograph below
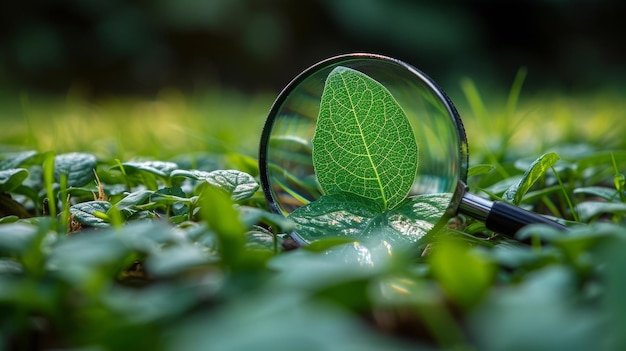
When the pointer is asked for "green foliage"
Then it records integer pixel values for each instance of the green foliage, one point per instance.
(179, 252)
(536, 170)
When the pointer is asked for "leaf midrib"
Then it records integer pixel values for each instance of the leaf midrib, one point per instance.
(367, 149)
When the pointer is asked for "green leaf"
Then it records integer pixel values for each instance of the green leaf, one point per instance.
(191, 174)
(79, 168)
(464, 275)
(601, 192)
(176, 259)
(480, 170)
(90, 259)
(252, 215)
(15, 160)
(9, 219)
(169, 195)
(174, 197)
(239, 185)
(260, 238)
(363, 142)
(312, 325)
(417, 216)
(133, 199)
(218, 211)
(91, 213)
(537, 169)
(16, 237)
(348, 215)
(159, 168)
(11, 179)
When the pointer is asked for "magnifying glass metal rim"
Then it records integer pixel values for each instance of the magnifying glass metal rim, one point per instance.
(498, 216)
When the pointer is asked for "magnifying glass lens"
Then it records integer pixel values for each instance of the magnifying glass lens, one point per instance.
(288, 170)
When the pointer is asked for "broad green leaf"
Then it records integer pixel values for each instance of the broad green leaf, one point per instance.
(590, 209)
(311, 325)
(90, 259)
(11, 179)
(239, 185)
(520, 256)
(537, 169)
(542, 312)
(363, 142)
(419, 214)
(464, 275)
(149, 236)
(15, 160)
(16, 237)
(79, 168)
(359, 218)
(261, 238)
(176, 259)
(159, 168)
(218, 211)
(91, 213)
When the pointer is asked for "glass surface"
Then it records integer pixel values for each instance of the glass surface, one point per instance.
(286, 164)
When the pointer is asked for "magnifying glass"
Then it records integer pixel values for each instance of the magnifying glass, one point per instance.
(342, 133)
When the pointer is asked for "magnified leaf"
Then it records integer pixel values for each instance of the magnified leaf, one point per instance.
(363, 142)
(537, 169)
(352, 216)
(78, 167)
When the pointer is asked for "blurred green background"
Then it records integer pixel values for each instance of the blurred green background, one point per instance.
(163, 77)
(120, 47)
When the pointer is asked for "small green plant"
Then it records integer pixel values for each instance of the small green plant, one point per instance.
(365, 157)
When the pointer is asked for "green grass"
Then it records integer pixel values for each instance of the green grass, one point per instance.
(162, 261)
(166, 125)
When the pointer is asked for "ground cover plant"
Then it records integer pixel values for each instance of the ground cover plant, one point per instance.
(129, 236)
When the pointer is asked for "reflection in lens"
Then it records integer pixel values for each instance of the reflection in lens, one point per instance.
(287, 171)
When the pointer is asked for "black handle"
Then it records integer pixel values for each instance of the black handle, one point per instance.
(507, 219)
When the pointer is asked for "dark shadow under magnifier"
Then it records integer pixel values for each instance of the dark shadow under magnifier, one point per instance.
(285, 158)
